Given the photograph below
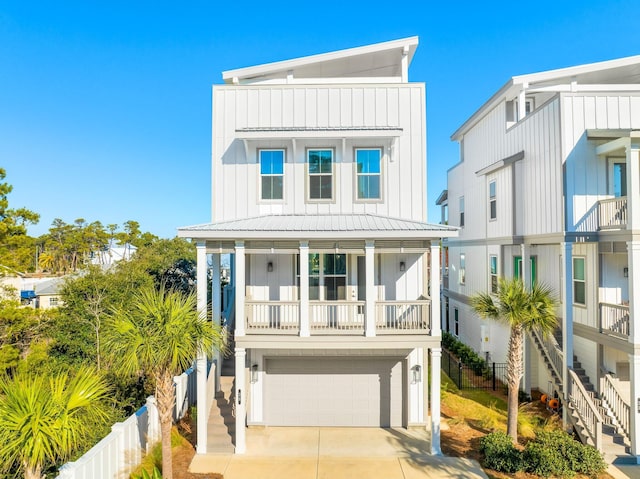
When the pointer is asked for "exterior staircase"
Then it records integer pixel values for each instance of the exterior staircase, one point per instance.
(590, 415)
(222, 421)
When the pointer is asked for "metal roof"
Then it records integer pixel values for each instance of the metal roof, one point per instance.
(318, 226)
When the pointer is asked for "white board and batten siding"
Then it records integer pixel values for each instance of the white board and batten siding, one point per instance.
(538, 188)
(235, 167)
(587, 173)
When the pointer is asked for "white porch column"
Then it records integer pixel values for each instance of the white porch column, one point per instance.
(370, 294)
(634, 433)
(303, 316)
(436, 317)
(240, 288)
(436, 354)
(241, 401)
(633, 258)
(566, 249)
(216, 308)
(633, 185)
(201, 364)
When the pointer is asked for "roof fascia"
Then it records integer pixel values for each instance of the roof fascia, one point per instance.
(411, 43)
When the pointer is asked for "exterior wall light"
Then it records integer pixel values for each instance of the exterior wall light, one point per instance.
(403, 266)
(417, 374)
(254, 374)
(270, 266)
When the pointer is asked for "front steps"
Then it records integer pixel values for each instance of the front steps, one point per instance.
(221, 425)
(615, 445)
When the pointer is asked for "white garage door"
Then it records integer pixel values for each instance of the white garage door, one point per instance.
(332, 391)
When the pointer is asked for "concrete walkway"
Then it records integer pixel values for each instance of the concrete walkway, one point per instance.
(336, 453)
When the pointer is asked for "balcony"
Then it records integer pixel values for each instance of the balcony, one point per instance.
(614, 319)
(612, 213)
(338, 317)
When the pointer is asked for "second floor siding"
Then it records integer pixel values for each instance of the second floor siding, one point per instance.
(338, 120)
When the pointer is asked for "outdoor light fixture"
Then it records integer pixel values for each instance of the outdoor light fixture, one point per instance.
(403, 266)
(417, 376)
(625, 272)
(270, 266)
(254, 374)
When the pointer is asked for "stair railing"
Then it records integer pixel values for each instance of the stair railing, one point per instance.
(554, 354)
(587, 412)
(614, 400)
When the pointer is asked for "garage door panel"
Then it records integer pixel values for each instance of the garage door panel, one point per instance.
(333, 391)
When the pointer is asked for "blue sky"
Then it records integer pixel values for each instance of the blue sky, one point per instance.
(105, 106)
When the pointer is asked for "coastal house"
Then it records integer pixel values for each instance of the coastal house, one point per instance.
(547, 188)
(319, 196)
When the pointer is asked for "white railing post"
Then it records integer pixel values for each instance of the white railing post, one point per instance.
(370, 300)
(304, 313)
(153, 423)
(120, 460)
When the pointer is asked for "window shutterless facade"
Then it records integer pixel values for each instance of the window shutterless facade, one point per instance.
(456, 322)
(320, 174)
(271, 174)
(493, 213)
(462, 271)
(493, 273)
(327, 276)
(461, 211)
(579, 282)
(368, 173)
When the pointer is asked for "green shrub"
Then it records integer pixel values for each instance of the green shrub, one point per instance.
(500, 454)
(556, 453)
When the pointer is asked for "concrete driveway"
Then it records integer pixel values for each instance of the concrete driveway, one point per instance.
(336, 453)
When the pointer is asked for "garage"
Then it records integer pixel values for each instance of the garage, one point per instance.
(334, 391)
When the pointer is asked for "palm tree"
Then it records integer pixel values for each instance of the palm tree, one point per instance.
(523, 311)
(45, 419)
(160, 336)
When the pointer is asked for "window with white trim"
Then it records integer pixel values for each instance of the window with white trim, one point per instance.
(461, 211)
(368, 173)
(493, 213)
(456, 322)
(271, 174)
(493, 273)
(320, 174)
(461, 271)
(579, 282)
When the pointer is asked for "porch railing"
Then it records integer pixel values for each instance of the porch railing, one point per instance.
(619, 406)
(614, 319)
(612, 213)
(331, 316)
(552, 351)
(586, 410)
(410, 316)
(276, 316)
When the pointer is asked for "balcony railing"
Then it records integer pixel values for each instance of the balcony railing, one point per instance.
(614, 319)
(612, 213)
(332, 316)
(395, 316)
(280, 317)
(337, 317)
(616, 401)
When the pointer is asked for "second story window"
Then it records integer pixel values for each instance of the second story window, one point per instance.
(320, 164)
(461, 211)
(462, 270)
(493, 213)
(368, 173)
(271, 174)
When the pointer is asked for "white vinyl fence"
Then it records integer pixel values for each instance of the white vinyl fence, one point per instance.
(118, 454)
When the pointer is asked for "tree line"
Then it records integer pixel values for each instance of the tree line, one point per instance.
(94, 360)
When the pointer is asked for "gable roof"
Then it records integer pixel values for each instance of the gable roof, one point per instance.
(611, 72)
(317, 226)
(376, 60)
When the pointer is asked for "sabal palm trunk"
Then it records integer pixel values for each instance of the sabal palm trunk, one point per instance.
(32, 472)
(514, 374)
(165, 402)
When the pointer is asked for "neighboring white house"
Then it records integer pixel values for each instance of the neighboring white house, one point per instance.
(319, 194)
(548, 189)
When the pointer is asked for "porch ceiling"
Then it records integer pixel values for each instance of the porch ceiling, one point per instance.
(306, 227)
